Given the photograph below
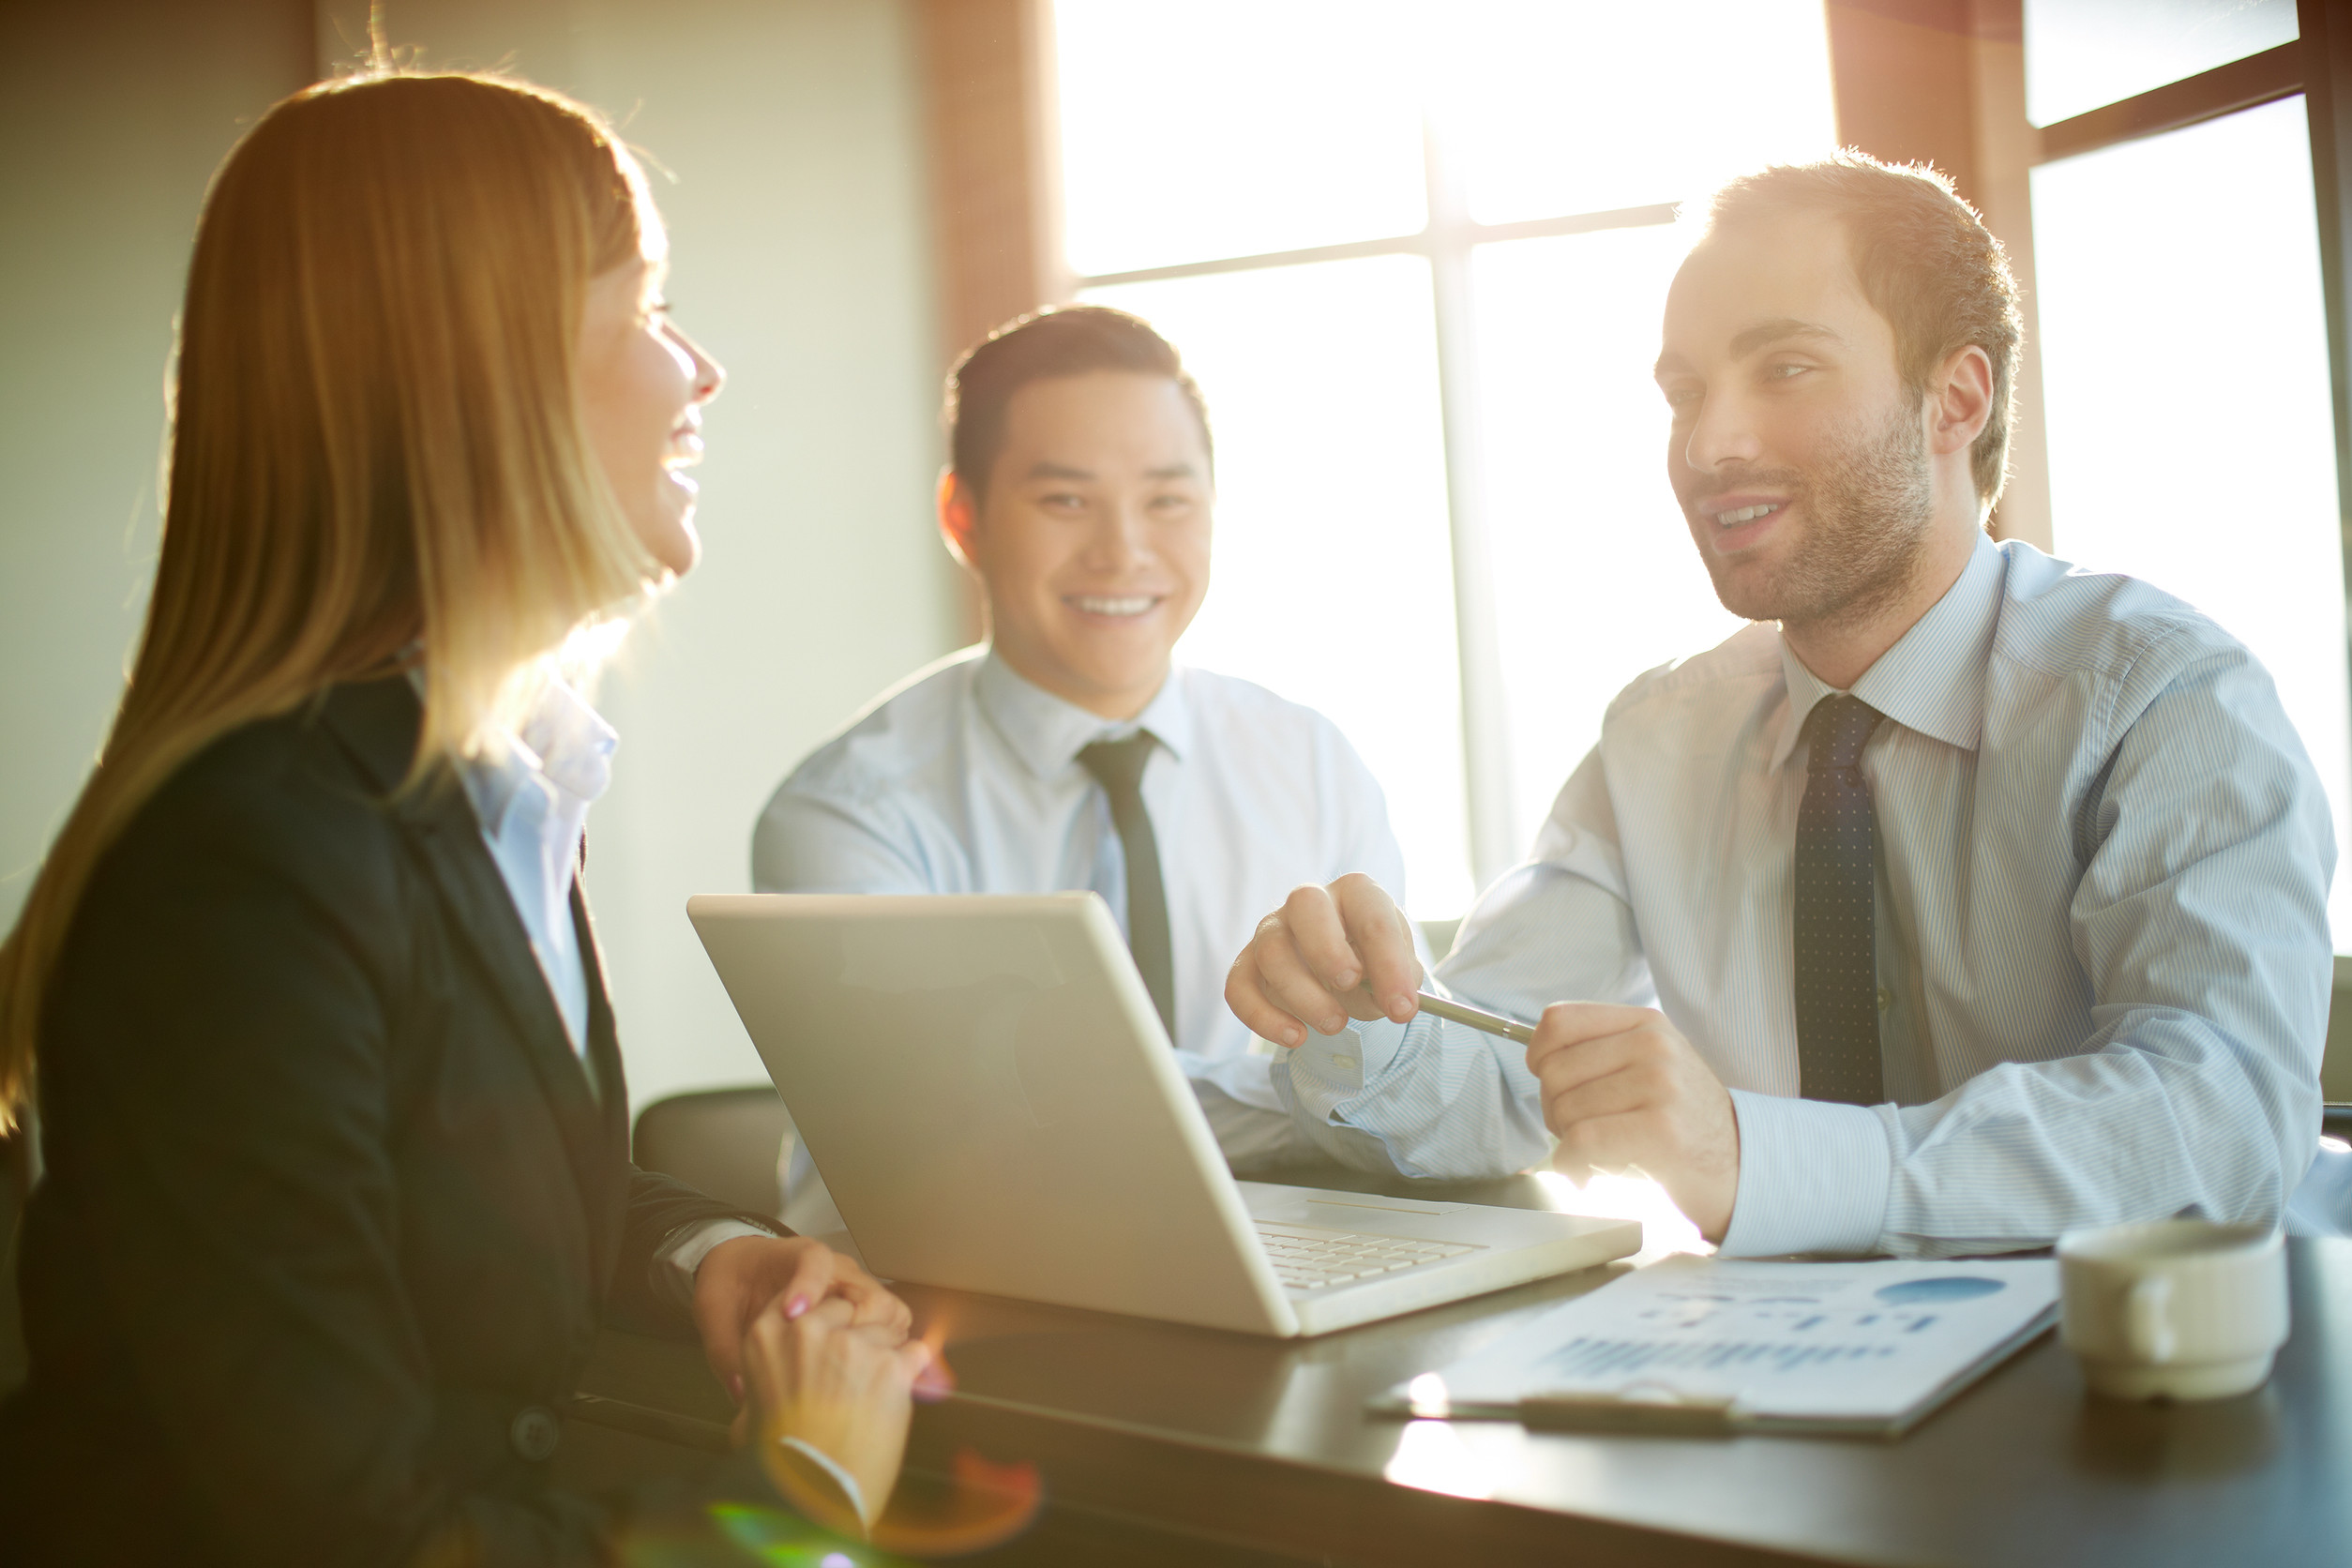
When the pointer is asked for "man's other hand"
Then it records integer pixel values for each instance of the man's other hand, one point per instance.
(739, 1279)
(1623, 1088)
(1328, 955)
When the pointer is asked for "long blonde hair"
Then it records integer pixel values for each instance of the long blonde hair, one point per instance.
(377, 453)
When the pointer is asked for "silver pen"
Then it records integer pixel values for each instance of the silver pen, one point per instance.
(1493, 1023)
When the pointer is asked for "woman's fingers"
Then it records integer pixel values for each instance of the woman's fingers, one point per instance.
(812, 1279)
(763, 1359)
(823, 1318)
(778, 1351)
(875, 1305)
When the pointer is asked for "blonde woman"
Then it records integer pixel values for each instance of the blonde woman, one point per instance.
(337, 1191)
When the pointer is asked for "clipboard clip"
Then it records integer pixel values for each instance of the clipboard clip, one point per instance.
(1637, 1407)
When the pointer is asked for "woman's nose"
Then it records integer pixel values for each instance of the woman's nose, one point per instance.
(710, 376)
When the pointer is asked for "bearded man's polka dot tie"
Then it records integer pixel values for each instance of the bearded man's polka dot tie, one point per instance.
(1836, 909)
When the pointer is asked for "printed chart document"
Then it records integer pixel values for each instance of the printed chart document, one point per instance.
(1696, 1344)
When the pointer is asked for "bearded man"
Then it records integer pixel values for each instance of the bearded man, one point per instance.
(1975, 899)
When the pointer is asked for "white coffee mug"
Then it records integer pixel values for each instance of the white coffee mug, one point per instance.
(2178, 1309)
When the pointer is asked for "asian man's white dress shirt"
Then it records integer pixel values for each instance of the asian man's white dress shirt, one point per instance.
(2103, 950)
(965, 778)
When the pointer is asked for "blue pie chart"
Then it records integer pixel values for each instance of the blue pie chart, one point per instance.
(1941, 1292)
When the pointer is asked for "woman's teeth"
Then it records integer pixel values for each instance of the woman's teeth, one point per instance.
(1747, 514)
(1096, 605)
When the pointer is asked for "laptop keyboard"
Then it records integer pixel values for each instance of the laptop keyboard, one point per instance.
(1309, 1259)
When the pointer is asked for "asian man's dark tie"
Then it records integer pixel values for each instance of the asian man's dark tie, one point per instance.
(1835, 908)
(1119, 764)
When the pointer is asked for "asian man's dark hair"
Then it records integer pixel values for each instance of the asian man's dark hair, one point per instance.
(1062, 341)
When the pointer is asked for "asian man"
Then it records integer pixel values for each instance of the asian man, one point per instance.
(1070, 750)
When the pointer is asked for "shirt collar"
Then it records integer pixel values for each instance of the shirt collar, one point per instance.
(1933, 679)
(1047, 733)
(563, 748)
(572, 741)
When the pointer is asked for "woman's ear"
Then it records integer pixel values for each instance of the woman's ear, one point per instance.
(959, 517)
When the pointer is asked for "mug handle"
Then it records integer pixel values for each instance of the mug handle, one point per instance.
(2147, 1324)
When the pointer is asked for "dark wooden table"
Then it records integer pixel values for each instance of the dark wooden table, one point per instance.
(1206, 1446)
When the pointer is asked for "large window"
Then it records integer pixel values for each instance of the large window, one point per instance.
(2184, 335)
(2184, 347)
(1416, 255)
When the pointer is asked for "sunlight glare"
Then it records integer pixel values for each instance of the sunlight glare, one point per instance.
(1434, 1457)
(1664, 1228)
(1235, 128)
(593, 644)
(1333, 577)
(1596, 579)
(1586, 108)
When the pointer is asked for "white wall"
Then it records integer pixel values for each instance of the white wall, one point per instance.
(114, 115)
(801, 260)
(793, 129)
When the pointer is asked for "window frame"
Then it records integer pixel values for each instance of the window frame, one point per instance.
(2316, 63)
(1447, 240)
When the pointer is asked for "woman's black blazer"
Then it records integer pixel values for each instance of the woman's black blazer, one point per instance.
(332, 1212)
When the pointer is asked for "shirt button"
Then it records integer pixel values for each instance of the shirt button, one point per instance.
(1886, 999)
(1343, 1061)
(534, 1434)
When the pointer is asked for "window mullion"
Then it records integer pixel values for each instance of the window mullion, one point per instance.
(1486, 731)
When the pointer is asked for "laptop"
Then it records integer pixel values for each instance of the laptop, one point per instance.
(986, 1088)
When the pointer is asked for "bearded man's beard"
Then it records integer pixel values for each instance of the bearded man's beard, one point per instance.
(1868, 504)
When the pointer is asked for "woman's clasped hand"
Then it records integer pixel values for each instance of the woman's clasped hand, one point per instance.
(741, 1281)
